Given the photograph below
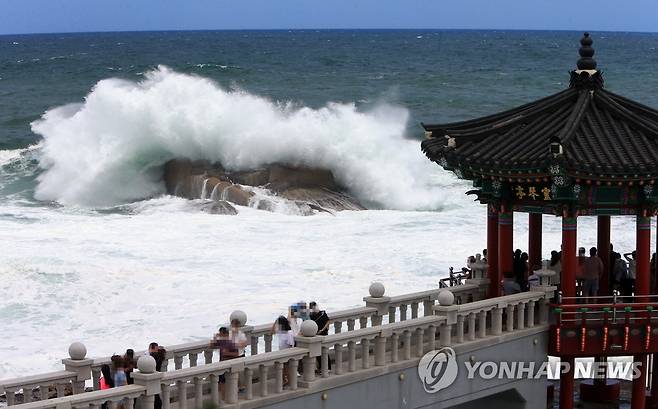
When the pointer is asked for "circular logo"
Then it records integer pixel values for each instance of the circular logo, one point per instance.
(438, 369)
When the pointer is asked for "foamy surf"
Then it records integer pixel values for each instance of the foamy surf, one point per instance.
(110, 150)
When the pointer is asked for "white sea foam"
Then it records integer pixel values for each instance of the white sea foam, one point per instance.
(110, 149)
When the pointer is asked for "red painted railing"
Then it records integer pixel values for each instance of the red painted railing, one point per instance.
(604, 326)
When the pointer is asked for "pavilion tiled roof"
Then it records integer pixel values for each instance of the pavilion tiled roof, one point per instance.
(603, 136)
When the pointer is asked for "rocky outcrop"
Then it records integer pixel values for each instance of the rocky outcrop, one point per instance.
(311, 190)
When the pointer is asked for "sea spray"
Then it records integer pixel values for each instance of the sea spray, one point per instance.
(110, 149)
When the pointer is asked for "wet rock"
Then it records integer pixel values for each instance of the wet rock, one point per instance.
(311, 190)
(219, 207)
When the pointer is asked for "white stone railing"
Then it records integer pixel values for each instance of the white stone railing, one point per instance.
(352, 352)
(81, 369)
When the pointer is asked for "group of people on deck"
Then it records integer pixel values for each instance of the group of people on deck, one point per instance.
(230, 340)
(119, 371)
(590, 270)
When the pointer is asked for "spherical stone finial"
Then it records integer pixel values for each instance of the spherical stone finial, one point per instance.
(146, 364)
(239, 315)
(77, 351)
(586, 52)
(309, 328)
(446, 298)
(376, 290)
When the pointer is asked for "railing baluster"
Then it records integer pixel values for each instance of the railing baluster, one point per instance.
(249, 383)
(324, 362)
(27, 394)
(178, 361)
(198, 392)
(262, 379)
(338, 358)
(380, 351)
(232, 387)
(351, 358)
(254, 345)
(403, 312)
(292, 374)
(61, 388)
(350, 324)
(96, 378)
(531, 314)
(193, 359)
(278, 377)
(431, 337)
(406, 348)
(213, 379)
(207, 356)
(459, 330)
(395, 346)
(165, 396)
(182, 394)
(363, 322)
(338, 327)
(427, 307)
(520, 316)
(420, 338)
(471, 326)
(509, 326)
(482, 324)
(497, 321)
(308, 363)
(268, 342)
(365, 353)
(414, 310)
(43, 392)
(391, 314)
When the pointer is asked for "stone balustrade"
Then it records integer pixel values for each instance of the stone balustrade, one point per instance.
(354, 354)
(79, 369)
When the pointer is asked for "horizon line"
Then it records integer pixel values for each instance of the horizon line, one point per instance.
(321, 29)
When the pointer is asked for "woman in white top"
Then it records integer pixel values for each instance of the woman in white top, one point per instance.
(285, 338)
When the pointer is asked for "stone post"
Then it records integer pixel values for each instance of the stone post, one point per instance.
(311, 342)
(147, 376)
(447, 309)
(377, 300)
(78, 363)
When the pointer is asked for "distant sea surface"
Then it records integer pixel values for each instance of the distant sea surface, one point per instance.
(92, 249)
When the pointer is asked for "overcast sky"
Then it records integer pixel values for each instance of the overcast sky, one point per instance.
(38, 16)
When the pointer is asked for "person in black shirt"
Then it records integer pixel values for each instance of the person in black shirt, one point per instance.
(322, 319)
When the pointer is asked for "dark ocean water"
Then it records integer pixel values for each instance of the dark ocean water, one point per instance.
(437, 75)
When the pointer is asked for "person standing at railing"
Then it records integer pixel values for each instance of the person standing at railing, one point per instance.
(510, 285)
(227, 350)
(592, 271)
(130, 364)
(285, 338)
(632, 262)
(620, 275)
(555, 264)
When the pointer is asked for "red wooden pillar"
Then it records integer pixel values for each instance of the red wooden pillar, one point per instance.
(492, 251)
(643, 250)
(505, 241)
(566, 385)
(534, 239)
(569, 260)
(654, 371)
(603, 246)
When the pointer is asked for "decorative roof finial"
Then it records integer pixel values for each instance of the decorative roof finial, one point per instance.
(586, 62)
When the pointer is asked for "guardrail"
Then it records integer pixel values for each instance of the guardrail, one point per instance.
(354, 354)
(79, 369)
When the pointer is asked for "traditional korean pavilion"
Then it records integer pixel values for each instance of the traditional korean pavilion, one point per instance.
(582, 151)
